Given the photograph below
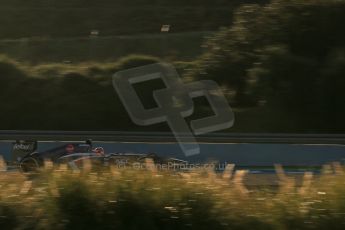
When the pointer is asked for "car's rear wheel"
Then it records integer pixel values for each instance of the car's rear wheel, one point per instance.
(29, 165)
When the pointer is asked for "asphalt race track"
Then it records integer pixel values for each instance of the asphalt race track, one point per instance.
(240, 154)
(256, 153)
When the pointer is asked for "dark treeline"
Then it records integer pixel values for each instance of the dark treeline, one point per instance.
(288, 55)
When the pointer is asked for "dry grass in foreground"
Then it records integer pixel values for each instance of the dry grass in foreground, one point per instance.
(148, 199)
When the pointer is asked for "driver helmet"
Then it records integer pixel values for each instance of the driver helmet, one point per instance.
(99, 151)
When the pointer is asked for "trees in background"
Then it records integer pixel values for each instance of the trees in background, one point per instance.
(289, 53)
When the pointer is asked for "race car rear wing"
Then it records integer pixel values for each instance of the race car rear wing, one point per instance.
(21, 148)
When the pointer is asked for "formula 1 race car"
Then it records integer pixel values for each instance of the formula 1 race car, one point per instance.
(75, 154)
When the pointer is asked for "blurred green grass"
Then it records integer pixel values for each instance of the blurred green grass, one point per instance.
(148, 199)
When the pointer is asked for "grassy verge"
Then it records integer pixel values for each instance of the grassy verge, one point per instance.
(80, 96)
(120, 20)
(174, 46)
(147, 199)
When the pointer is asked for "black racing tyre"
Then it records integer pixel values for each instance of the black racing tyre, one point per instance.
(29, 165)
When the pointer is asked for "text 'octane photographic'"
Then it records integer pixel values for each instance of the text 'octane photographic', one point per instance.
(175, 103)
